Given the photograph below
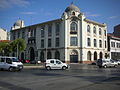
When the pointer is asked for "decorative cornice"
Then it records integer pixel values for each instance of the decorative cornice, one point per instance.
(90, 21)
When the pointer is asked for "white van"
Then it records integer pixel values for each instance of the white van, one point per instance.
(10, 63)
(106, 63)
(55, 64)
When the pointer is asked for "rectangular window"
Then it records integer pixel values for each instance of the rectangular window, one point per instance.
(57, 28)
(42, 43)
(34, 32)
(49, 42)
(49, 30)
(88, 42)
(117, 45)
(112, 44)
(18, 34)
(73, 41)
(23, 34)
(42, 31)
(14, 35)
(57, 42)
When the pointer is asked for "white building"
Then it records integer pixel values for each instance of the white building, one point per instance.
(114, 46)
(3, 34)
(73, 38)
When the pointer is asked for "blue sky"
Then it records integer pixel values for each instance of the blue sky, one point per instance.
(37, 11)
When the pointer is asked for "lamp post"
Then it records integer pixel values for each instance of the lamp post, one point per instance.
(17, 50)
(46, 45)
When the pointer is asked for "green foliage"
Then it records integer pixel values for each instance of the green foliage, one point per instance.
(5, 48)
(8, 47)
(18, 43)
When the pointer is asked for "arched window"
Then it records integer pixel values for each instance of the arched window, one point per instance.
(73, 27)
(100, 32)
(95, 43)
(100, 43)
(94, 30)
(105, 32)
(105, 44)
(95, 55)
(88, 42)
(89, 55)
(42, 57)
(73, 13)
(101, 55)
(88, 28)
(49, 55)
(57, 55)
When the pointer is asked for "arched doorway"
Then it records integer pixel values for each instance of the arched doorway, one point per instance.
(57, 55)
(95, 56)
(32, 54)
(89, 55)
(74, 57)
(42, 57)
(101, 55)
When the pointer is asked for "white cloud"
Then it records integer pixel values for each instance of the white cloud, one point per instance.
(88, 14)
(28, 13)
(12, 3)
(113, 17)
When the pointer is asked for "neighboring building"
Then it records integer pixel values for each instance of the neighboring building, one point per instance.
(113, 46)
(3, 34)
(117, 31)
(72, 38)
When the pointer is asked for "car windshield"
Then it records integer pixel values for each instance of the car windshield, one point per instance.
(15, 60)
(104, 61)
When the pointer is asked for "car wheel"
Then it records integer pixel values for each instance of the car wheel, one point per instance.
(105, 66)
(11, 69)
(115, 65)
(100, 66)
(48, 68)
(19, 69)
(63, 67)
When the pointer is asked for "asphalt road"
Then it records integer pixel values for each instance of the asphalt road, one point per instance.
(78, 77)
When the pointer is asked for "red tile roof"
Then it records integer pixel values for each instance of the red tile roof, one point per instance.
(4, 40)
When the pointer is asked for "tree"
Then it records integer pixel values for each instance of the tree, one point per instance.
(18, 45)
(5, 48)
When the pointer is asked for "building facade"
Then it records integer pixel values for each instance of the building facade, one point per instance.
(72, 38)
(117, 31)
(3, 34)
(114, 46)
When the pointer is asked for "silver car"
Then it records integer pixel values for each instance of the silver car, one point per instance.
(106, 63)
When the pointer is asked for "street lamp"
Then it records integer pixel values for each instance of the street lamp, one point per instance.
(17, 50)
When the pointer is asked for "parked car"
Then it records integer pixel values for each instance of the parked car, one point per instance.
(55, 64)
(25, 61)
(118, 62)
(106, 63)
(10, 63)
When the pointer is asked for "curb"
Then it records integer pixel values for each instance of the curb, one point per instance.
(29, 67)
